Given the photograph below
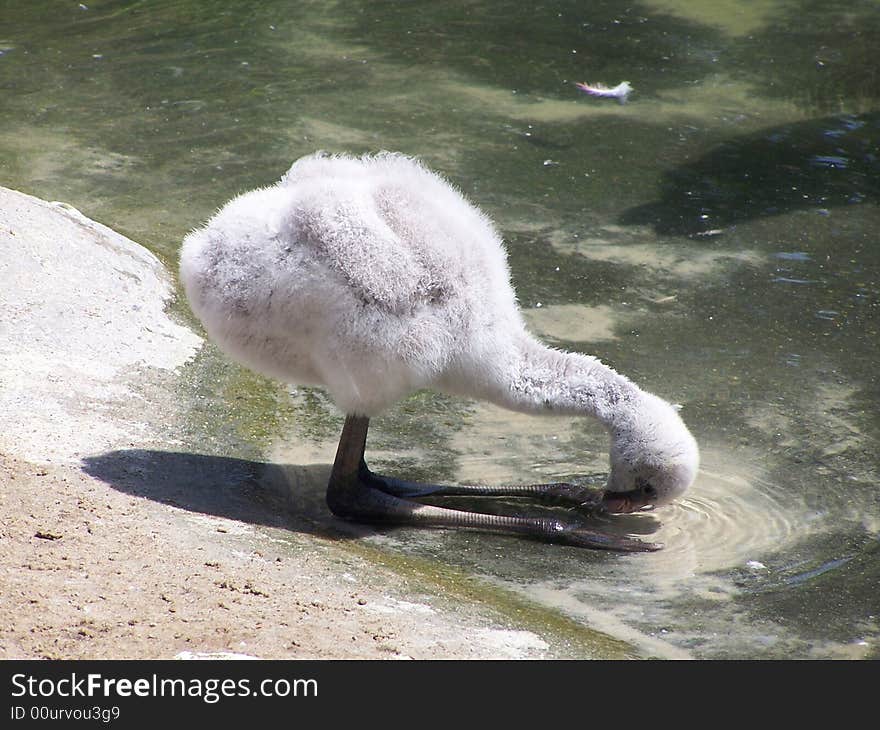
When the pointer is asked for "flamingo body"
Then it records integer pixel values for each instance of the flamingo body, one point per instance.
(374, 277)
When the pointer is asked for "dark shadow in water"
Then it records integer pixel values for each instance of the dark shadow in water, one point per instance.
(814, 52)
(284, 496)
(817, 164)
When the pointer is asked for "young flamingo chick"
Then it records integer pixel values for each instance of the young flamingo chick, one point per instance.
(373, 277)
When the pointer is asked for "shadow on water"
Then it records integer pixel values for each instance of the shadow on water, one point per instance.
(815, 52)
(820, 163)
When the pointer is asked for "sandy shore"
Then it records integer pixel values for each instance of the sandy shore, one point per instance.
(91, 572)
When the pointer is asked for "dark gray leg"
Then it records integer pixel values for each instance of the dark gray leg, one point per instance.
(355, 493)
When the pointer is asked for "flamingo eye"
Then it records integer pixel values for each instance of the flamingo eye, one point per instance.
(646, 487)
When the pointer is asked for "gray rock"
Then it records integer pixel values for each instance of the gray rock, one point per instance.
(83, 324)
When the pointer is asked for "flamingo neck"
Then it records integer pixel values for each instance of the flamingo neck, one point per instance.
(539, 379)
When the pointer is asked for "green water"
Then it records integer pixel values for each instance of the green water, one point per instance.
(721, 227)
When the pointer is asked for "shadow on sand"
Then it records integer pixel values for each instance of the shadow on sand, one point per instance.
(284, 496)
(287, 496)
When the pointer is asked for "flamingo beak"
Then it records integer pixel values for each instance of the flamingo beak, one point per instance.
(634, 500)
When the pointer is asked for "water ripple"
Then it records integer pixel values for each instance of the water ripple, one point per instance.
(730, 518)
